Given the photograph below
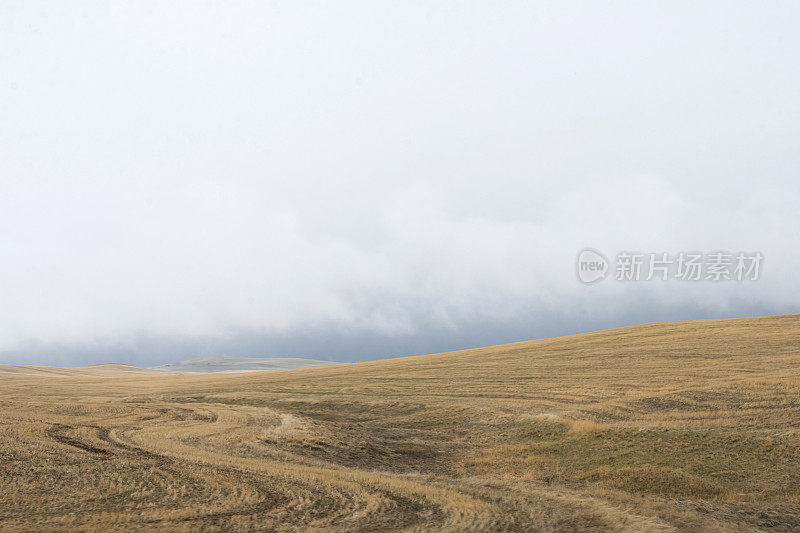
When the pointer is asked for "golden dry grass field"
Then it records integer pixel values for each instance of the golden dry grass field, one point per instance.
(690, 426)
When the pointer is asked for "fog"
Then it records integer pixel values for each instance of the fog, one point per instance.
(352, 181)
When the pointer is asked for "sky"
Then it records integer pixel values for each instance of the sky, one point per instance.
(357, 180)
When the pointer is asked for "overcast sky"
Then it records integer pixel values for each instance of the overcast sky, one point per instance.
(355, 180)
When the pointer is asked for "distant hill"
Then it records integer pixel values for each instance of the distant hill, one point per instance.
(110, 369)
(224, 363)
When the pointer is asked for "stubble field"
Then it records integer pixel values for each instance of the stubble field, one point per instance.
(691, 426)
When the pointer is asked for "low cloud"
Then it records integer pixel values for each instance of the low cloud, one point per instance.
(293, 192)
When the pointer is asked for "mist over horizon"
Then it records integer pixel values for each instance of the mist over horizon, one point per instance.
(330, 345)
(352, 181)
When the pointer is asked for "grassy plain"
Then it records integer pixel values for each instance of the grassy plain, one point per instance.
(691, 426)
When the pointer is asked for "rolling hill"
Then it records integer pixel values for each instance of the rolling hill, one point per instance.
(104, 369)
(223, 363)
(680, 426)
